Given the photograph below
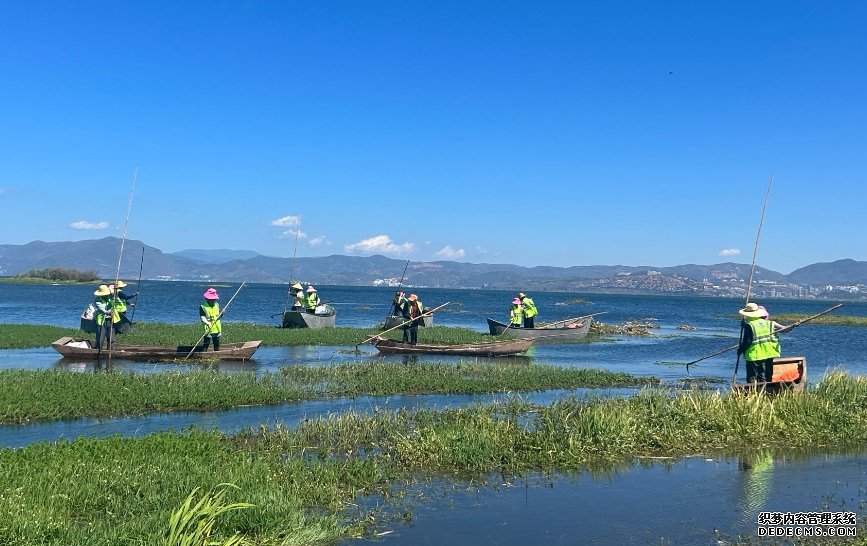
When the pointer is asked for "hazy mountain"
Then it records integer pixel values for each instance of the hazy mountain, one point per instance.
(839, 272)
(223, 265)
(216, 256)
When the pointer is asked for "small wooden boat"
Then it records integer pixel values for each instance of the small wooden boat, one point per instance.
(71, 347)
(790, 374)
(560, 331)
(324, 317)
(396, 320)
(493, 348)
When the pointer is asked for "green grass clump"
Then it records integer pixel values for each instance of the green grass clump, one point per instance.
(56, 394)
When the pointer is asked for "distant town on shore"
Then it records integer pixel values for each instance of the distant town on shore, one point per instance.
(843, 279)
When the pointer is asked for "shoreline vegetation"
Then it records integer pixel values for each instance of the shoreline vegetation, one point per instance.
(346, 475)
(58, 394)
(53, 275)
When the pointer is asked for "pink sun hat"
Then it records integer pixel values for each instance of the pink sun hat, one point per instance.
(516, 301)
(211, 294)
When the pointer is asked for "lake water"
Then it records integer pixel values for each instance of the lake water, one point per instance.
(680, 502)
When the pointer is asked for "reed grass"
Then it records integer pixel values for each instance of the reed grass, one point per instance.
(304, 482)
(41, 395)
(23, 336)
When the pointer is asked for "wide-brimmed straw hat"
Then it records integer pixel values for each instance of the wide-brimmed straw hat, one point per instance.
(211, 294)
(516, 301)
(521, 294)
(102, 291)
(121, 284)
(412, 297)
(752, 310)
(297, 286)
(311, 289)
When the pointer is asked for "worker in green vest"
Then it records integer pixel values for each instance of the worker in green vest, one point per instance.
(103, 306)
(412, 311)
(516, 314)
(120, 301)
(759, 343)
(311, 300)
(530, 310)
(209, 313)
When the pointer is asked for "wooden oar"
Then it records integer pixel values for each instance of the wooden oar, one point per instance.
(208, 329)
(780, 331)
(426, 313)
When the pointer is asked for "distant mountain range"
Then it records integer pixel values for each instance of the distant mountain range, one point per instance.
(238, 265)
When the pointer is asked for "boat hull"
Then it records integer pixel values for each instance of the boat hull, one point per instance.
(544, 334)
(302, 319)
(789, 374)
(494, 348)
(70, 347)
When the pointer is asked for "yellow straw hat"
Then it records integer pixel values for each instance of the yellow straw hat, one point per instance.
(102, 291)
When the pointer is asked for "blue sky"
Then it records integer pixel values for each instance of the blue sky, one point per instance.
(532, 133)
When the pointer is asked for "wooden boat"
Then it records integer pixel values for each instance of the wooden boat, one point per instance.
(560, 331)
(71, 347)
(324, 317)
(396, 320)
(790, 374)
(492, 348)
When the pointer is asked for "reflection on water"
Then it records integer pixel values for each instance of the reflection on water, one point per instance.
(689, 501)
(757, 472)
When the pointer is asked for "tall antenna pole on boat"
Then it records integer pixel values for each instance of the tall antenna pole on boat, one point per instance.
(752, 271)
(758, 234)
(292, 267)
(391, 307)
(117, 270)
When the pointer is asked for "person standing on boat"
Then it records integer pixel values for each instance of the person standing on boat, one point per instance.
(103, 307)
(120, 302)
(759, 343)
(297, 293)
(397, 304)
(516, 314)
(412, 310)
(530, 310)
(209, 313)
(311, 300)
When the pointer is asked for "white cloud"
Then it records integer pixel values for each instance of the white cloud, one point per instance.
(290, 234)
(481, 250)
(84, 224)
(318, 241)
(380, 244)
(448, 252)
(729, 252)
(287, 221)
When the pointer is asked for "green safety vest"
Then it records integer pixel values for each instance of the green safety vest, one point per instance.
(530, 310)
(311, 300)
(516, 315)
(212, 312)
(409, 308)
(765, 344)
(120, 304)
(99, 316)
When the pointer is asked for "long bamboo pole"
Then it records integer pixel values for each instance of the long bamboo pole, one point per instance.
(219, 316)
(780, 331)
(110, 336)
(391, 308)
(426, 313)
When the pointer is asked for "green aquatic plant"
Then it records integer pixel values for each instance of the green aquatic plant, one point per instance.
(192, 524)
(57, 394)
